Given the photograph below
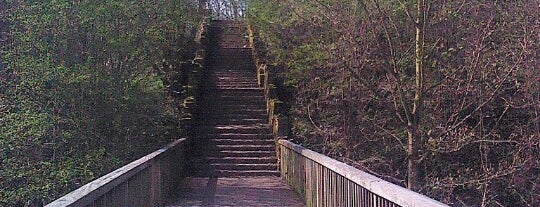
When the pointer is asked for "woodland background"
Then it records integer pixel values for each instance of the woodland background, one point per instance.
(358, 94)
(440, 96)
(85, 87)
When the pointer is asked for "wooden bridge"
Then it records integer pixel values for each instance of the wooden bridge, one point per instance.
(235, 156)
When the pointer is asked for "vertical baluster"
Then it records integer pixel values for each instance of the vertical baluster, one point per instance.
(319, 186)
(343, 187)
(312, 190)
(356, 195)
(344, 191)
(328, 186)
(336, 188)
(312, 186)
(340, 191)
(349, 197)
(366, 199)
(331, 175)
(325, 187)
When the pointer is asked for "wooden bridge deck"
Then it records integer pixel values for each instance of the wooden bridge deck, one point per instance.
(239, 191)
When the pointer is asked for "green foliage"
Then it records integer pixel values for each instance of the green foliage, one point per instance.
(84, 89)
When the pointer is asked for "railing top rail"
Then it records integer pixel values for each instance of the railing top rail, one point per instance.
(394, 193)
(93, 190)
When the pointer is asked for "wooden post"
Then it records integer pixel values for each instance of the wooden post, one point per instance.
(155, 184)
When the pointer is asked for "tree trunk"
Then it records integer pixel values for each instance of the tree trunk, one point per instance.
(414, 135)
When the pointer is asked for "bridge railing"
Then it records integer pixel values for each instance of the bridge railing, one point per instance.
(324, 181)
(148, 181)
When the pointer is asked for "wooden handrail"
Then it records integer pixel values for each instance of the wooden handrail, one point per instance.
(324, 181)
(148, 181)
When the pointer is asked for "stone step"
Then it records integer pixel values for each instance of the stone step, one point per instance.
(234, 97)
(241, 90)
(233, 46)
(227, 36)
(236, 173)
(237, 136)
(233, 37)
(230, 130)
(248, 78)
(247, 75)
(242, 58)
(233, 153)
(234, 115)
(230, 101)
(229, 29)
(221, 141)
(241, 147)
(253, 91)
(221, 24)
(234, 82)
(233, 74)
(236, 121)
(209, 94)
(242, 53)
(216, 98)
(214, 116)
(230, 43)
(232, 108)
(235, 160)
(239, 99)
(233, 166)
(219, 64)
(231, 114)
(234, 52)
(211, 97)
(225, 111)
(234, 85)
(245, 104)
(212, 108)
(233, 105)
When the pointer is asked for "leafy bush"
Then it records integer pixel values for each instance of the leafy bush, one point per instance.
(84, 89)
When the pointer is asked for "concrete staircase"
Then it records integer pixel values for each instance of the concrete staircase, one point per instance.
(233, 135)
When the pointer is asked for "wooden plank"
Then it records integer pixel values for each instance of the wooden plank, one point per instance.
(391, 192)
(136, 188)
(155, 184)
